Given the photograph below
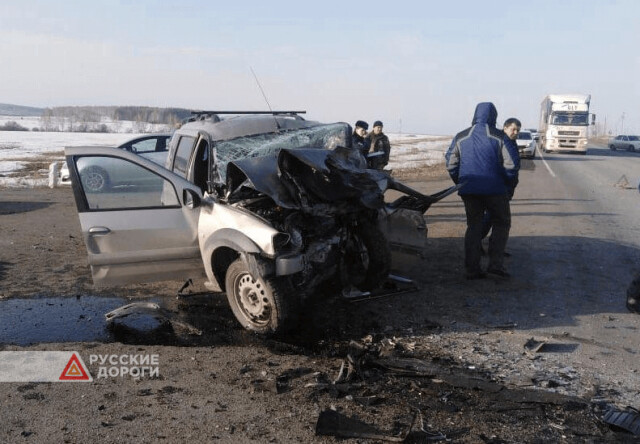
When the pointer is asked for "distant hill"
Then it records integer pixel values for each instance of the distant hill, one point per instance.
(18, 110)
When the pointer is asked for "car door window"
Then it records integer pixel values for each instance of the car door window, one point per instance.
(144, 146)
(110, 183)
(183, 153)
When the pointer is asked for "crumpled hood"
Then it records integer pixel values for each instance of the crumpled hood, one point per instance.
(318, 181)
(485, 113)
(310, 180)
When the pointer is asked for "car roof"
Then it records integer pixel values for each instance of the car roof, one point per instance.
(244, 125)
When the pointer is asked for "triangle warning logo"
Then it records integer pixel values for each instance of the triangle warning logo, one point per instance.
(75, 370)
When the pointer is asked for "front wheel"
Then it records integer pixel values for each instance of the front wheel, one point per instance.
(258, 304)
(612, 147)
(367, 259)
(631, 148)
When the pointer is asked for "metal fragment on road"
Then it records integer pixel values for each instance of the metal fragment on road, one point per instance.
(134, 307)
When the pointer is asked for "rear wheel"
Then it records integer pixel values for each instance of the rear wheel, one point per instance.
(95, 179)
(258, 304)
(631, 148)
(612, 147)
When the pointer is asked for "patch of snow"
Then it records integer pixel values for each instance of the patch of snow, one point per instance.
(18, 148)
(11, 166)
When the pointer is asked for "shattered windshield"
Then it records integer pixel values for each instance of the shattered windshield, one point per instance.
(568, 118)
(320, 136)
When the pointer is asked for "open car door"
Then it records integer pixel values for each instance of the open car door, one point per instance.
(139, 220)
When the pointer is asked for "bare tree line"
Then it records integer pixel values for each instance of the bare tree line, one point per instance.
(103, 119)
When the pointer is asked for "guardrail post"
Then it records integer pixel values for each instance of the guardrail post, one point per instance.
(54, 174)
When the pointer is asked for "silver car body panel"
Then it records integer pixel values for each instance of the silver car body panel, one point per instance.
(135, 245)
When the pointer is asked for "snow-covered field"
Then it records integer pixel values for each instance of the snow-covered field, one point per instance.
(24, 155)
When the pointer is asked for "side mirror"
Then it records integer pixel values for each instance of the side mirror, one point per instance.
(190, 199)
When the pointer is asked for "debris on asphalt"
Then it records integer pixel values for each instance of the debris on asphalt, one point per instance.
(284, 378)
(333, 423)
(628, 419)
(147, 322)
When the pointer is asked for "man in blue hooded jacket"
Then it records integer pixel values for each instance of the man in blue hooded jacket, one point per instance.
(487, 166)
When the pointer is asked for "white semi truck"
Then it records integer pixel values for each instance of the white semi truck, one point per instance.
(564, 123)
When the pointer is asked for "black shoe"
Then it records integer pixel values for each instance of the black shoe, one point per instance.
(507, 254)
(476, 275)
(502, 274)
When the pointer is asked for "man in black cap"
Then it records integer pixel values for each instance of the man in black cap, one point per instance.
(359, 141)
(380, 147)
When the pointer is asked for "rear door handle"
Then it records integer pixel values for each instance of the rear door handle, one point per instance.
(99, 231)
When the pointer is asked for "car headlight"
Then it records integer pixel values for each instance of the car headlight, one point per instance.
(280, 241)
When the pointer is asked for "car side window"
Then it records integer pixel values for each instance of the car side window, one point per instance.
(183, 153)
(144, 146)
(111, 183)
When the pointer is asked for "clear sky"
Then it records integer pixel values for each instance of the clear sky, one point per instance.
(419, 66)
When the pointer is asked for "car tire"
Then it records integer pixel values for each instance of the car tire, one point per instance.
(631, 148)
(95, 179)
(367, 273)
(612, 147)
(258, 304)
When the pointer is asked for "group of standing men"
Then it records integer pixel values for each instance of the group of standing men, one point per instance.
(375, 146)
(486, 162)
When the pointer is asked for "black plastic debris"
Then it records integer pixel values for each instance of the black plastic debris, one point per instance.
(146, 322)
(533, 346)
(284, 378)
(628, 420)
(332, 423)
(408, 366)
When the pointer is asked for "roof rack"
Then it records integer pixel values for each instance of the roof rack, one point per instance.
(249, 112)
(201, 115)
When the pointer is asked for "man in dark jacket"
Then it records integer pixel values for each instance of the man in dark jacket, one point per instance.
(359, 141)
(480, 158)
(511, 129)
(380, 147)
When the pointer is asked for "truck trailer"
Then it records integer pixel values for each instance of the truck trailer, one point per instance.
(564, 123)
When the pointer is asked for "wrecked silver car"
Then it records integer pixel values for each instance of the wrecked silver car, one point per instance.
(267, 207)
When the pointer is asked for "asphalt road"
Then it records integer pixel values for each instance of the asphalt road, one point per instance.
(575, 245)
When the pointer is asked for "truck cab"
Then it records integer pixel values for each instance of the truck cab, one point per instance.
(564, 123)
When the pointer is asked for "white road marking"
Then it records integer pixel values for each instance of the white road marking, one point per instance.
(547, 165)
